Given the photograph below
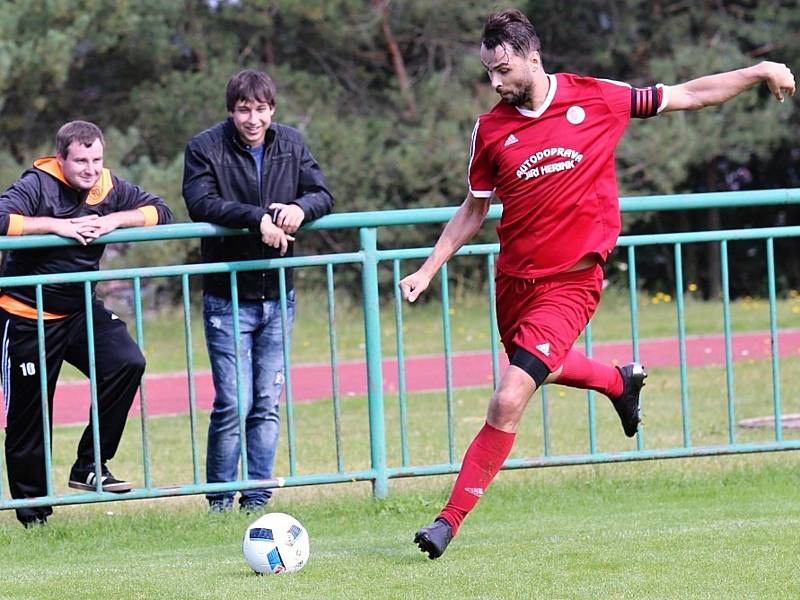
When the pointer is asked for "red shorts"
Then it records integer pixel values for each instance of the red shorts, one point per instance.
(545, 316)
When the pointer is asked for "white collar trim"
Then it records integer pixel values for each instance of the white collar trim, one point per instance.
(545, 105)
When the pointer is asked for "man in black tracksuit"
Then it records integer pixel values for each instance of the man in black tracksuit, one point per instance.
(73, 196)
(248, 172)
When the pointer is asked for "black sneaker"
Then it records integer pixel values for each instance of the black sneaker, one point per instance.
(83, 478)
(434, 538)
(252, 508)
(627, 405)
(34, 522)
(218, 506)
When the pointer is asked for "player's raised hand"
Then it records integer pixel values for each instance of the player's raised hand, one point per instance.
(412, 286)
(780, 80)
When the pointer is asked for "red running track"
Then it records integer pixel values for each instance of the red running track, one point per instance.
(168, 394)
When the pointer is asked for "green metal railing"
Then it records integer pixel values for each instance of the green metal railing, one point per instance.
(369, 259)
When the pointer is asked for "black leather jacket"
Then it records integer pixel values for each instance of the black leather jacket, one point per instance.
(220, 186)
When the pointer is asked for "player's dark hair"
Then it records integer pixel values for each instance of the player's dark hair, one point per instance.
(250, 86)
(510, 27)
(82, 132)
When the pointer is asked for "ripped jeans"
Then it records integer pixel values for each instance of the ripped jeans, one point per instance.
(261, 349)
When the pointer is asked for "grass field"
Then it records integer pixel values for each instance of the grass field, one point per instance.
(721, 527)
(700, 528)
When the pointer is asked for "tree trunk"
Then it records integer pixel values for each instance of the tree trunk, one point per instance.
(382, 6)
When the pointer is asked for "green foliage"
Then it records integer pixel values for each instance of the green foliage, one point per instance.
(177, 107)
(390, 131)
(750, 126)
(66, 59)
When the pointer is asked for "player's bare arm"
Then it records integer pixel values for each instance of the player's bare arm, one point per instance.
(460, 229)
(712, 90)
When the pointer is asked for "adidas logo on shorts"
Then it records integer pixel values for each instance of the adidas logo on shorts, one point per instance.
(544, 348)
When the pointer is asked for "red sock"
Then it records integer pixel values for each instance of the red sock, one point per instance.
(483, 459)
(585, 373)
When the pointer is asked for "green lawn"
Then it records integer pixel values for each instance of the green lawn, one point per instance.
(722, 527)
(700, 528)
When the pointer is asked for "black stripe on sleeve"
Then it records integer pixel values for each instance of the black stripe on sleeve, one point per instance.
(644, 102)
(654, 99)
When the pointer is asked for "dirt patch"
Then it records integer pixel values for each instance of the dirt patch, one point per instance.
(787, 422)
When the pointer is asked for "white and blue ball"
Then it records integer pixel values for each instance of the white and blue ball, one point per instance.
(276, 543)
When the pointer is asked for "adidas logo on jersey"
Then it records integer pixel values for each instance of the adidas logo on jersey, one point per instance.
(544, 348)
(511, 139)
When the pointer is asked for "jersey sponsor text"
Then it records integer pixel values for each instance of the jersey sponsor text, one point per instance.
(529, 170)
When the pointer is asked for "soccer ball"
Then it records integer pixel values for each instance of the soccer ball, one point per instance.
(276, 543)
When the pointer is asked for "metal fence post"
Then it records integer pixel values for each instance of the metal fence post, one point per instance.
(368, 238)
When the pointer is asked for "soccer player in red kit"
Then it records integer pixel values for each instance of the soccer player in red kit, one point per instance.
(546, 151)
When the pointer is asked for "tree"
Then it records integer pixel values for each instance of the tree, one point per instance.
(387, 93)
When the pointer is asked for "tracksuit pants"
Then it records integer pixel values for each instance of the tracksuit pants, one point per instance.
(119, 366)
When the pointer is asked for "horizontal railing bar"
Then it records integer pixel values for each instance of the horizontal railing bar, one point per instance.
(605, 457)
(626, 240)
(414, 216)
(188, 490)
(175, 231)
(628, 204)
(190, 269)
(383, 255)
(742, 199)
(690, 237)
(407, 253)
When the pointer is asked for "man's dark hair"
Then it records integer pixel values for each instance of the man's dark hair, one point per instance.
(510, 27)
(250, 86)
(82, 132)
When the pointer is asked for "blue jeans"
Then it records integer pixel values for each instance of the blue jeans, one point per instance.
(261, 351)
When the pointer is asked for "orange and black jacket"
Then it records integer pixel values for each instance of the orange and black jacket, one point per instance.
(42, 191)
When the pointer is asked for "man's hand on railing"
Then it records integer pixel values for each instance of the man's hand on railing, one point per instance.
(274, 236)
(288, 217)
(92, 227)
(76, 229)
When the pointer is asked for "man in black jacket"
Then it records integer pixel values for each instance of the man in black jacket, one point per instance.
(248, 172)
(73, 196)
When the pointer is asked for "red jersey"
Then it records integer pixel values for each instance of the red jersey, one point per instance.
(553, 170)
